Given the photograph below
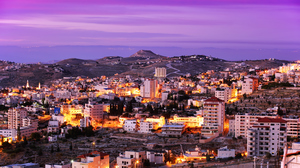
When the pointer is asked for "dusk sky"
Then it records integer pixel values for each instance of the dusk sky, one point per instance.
(43, 30)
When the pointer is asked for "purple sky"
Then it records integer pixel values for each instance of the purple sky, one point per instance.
(191, 25)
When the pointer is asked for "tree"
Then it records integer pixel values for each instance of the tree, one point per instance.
(35, 136)
(268, 155)
(57, 148)
(71, 146)
(279, 111)
(52, 150)
(146, 163)
(207, 157)
(19, 134)
(40, 152)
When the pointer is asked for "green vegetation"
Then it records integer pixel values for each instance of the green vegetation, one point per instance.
(275, 85)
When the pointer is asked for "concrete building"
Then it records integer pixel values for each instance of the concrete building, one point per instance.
(85, 122)
(148, 90)
(131, 159)
(225, 153)
(15, 117)
(191, 121)
(130, 125)
(267, 135)
(9, 133)
(94, 159)
(213, 116)
(146, 127)
(223, 94)
(95, 111)
(231, 131)
(53, 126)
(245, 121)
(160, 72)
(172, 130)
(156, 157)
(249, 85)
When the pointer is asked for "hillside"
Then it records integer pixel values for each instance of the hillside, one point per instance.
(141, 63)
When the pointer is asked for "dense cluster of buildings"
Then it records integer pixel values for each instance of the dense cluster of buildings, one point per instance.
(85, 102)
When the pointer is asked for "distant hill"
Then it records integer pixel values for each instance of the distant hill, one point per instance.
(74, 61)
(146, 54)
(141, 63)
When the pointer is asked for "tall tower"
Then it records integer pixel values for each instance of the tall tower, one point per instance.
(160, 72)
(39, 86)
(27, 84)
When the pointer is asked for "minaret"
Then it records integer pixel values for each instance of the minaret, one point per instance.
(27, 84)
(39, 86)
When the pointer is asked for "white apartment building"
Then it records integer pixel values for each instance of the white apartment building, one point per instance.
(231, 131)
(172, 130)
(223, 94)
(225, 153)
(146, 127)
(11, 133)
(131, 159)
(15, 117)
(213, 116)
(148, 90)
(95, 111)
(191, 121)
(249, 85)
(245, 121)
(53, 126)
(130, 125)
(94, 159)
(160, 72)
(85, 122)
(155, 157)
(267, 135)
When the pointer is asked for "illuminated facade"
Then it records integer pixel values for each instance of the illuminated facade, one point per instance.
(161, 121)
(213, 116)
(15, 117)
(191, 122)
(160, 72)
(92, 160)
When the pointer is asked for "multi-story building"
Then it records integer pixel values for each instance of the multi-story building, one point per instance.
(10, 133)
(148, 90)
(161, 120)
(95, 111)
(147, 127)
(130, 125)
(268, 135)
(223, 94)
(15, 117)
(160, 72)
(231, 127)
(172, 130)
(92, 160)
(245, 121)
(213, 116)
(191, 122)
(249, 85)
(131, 159)
(53, 126)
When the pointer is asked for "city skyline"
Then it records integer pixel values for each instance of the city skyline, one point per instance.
(230, 29)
